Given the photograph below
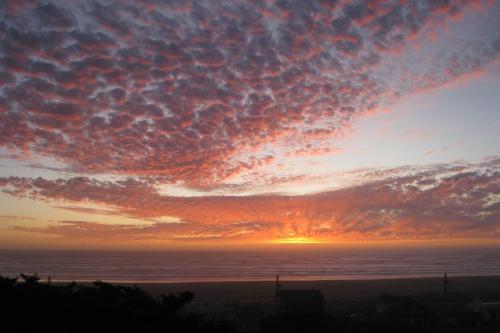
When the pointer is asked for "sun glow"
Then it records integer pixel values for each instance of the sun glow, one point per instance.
(296, 240)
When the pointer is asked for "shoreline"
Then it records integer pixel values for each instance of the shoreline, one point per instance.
(262, 280)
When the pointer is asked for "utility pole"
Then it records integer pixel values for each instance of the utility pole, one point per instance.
(445, 290)
(276, 296)
(445, 284)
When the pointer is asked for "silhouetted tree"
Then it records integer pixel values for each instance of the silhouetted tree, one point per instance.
(31, 306)
(30, 279)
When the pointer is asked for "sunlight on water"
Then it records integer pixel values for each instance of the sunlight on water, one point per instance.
(299, 263)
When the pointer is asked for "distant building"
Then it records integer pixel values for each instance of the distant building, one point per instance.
(309, 301)
(404, 309)
(486, 312)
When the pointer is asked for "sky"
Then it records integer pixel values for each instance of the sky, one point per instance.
(184, 124)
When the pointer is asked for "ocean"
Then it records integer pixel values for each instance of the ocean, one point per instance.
(256, 265)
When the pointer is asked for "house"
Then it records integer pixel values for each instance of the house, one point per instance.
(486, 312)
(398, 305)
(404, 309)
(308, 301)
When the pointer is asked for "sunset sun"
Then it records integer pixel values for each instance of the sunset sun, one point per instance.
(296, 240)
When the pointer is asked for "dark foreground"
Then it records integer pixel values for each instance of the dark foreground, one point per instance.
(413, 305)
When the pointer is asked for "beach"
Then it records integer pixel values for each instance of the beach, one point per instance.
(333, 291)
(247, 303)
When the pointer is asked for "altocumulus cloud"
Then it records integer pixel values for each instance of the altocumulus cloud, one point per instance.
(189, 91)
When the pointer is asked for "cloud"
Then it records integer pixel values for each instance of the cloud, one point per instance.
(87, 210)
(193, 90)
(457, 200)
(13, 219)
(172, 231)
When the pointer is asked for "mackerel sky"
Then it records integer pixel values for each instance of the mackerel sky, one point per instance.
(158, 123)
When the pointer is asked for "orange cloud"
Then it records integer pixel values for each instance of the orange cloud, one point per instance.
(443, 201)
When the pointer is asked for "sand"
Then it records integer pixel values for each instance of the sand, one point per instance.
(339, 290)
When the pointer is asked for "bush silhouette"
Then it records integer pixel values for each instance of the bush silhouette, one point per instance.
(26, 305)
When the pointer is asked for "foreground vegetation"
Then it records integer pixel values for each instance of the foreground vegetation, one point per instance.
(29, 306)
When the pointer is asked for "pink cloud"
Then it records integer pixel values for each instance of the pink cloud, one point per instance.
(133, 90)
